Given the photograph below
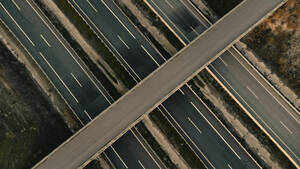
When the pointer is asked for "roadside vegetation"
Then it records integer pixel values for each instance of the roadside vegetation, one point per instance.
(176, 140)
(144, 31)
(157, 22)
(96, 43)
(155, 146)
(276, 42)
(30, 127)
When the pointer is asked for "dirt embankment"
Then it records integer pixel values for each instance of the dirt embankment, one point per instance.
(276, 42)
(30, 127)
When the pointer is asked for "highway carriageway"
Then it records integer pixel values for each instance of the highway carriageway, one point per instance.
(81, 91)
(271, 111)
(56, 58)
(128, 48)
(130, 108)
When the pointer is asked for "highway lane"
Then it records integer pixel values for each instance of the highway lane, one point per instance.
(130, 108)
(56, 58)
(73, 81)
(283, 124)
(185, 24)
(276, 116)
(127, 152)
(210, 140)
(131, 48)
(181, 99)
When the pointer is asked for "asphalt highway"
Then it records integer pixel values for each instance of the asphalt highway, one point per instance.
(130, 47)
(56, 58)
(274, 114)
(131, 154)
(278, 119)
(184, 106)
(210, 140)
(176, 14)
(79, 88)
(156, 87)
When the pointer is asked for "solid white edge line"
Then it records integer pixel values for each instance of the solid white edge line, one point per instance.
(141, 164)
(216, 131)
(118, 156)
(45, 40)
(16, 5)
(181, 91)
(118, 19)
(92, 6)
(76, 79)
(150, 55)
(17, 25)
(229, 166)
(144, 147)
(87, 114)
(58, 76)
